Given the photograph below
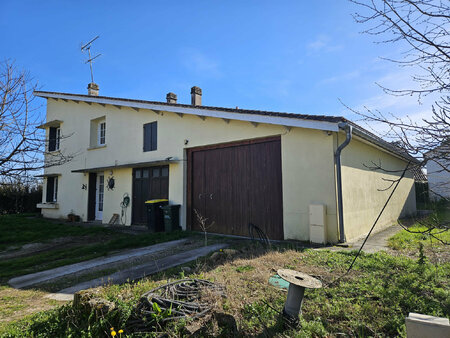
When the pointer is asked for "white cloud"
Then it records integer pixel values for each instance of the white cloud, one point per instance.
(407, 108)
(322, 43)
(340, 78)
(200, 63)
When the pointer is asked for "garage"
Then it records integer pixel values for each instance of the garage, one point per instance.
(235, 184)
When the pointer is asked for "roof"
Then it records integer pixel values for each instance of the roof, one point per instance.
(419, 175)
(324, 118)
(320, 122)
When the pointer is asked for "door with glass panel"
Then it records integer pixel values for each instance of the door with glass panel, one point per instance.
(99, 197)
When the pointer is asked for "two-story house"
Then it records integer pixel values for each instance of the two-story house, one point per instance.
(295, 176)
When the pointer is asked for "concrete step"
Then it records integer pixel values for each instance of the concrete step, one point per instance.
(140, 271)
(48, 275)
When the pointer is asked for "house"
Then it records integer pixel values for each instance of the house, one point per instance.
(301, 177)
(438, 172)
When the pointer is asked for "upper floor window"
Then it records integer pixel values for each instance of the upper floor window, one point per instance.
(98, 132)
(150, 136)
(54, 138)
(102, 133)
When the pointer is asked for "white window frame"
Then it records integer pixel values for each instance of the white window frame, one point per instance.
(101, 135)
(55, 189)
(58, 137)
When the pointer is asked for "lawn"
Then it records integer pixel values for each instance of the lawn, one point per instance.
(372, 300)
(410, 242)
(85, 243)
(62, 243)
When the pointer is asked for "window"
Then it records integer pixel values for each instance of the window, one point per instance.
(97, 136)
(54, 138)
(52, 189)
(101, 133)
(150, 136)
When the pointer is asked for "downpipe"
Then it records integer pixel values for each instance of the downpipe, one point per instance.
(348, 128)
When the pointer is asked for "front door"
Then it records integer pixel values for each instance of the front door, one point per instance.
(148, 183)
(99, 197)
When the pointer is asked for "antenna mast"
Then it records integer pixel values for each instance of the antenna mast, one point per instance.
(87, 47)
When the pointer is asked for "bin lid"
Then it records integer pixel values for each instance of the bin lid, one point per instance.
(156, 201)
(170, 207)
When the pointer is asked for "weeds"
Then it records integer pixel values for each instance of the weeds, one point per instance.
(372, 300)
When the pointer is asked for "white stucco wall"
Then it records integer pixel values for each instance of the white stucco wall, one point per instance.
(307, 159)
(362, 198)
(308, 168)
(438, 179)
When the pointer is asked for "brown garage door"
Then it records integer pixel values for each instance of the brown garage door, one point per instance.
(236, 184)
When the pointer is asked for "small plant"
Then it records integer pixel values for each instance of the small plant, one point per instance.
(202, 221)
(245, 268)
(422, 258)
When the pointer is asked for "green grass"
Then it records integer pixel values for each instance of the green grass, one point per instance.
(417, 234)
(95, 242)
(373, 300)
(59, 257)
(22, 229)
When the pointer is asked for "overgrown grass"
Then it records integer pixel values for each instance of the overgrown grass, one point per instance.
(418, 236)
(59, 257)
(373, 300)
(22, 229)
(94, 242)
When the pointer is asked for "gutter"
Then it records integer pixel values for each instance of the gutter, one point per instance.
(348, 128)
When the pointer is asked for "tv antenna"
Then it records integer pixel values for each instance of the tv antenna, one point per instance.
(87, 47)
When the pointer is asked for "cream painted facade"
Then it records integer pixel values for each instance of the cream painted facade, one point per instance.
(308, 165)
(361, 188)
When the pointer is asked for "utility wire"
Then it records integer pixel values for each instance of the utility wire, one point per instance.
(374, 224)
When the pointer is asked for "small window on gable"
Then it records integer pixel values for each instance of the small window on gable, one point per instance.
(150, 136)
(52, 189)
(54, 136)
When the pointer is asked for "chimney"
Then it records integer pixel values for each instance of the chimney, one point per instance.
(92, 89)
(196, 96)
(171, 97)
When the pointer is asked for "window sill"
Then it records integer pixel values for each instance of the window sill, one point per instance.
(47, 205)
(52, 152)
(97, 147)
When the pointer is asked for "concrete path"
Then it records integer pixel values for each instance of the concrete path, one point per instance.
(376, 242)
(47, 275)
(140, 271)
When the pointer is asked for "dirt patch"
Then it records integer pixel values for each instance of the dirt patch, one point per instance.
(17, 304)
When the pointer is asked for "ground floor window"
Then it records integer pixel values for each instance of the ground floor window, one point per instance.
(52, 189)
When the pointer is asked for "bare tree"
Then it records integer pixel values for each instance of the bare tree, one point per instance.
(22, 145)
(423, 27)
(202, 222)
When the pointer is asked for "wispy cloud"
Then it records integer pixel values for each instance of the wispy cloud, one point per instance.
(200, 63)
(340, 78)
(407, 108)
(322, 43)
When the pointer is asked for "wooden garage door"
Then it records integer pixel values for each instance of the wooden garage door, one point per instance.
(233, 185)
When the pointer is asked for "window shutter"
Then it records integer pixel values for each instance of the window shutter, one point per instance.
(50, 188)
(147, 137)
(154, 136)
(52, 139)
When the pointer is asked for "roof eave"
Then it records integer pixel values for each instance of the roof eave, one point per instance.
(251, 117)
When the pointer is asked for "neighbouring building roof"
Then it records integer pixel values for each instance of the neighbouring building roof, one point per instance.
(419, 175)
(321, 122)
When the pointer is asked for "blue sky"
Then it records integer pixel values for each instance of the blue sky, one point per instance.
(294, 56)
